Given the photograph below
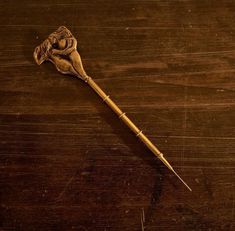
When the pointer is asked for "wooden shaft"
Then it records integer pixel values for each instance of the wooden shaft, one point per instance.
(122, 115)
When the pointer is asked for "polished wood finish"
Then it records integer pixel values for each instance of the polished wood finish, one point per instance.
(67, 163)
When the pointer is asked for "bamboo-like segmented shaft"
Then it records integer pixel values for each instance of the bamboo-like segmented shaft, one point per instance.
(122, 115)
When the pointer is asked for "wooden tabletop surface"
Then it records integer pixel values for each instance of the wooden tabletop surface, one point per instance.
(68, 163)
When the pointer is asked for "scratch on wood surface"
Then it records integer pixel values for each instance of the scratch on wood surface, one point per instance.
(142, 220)
(65, 187)
(233, 203)
(185, 117)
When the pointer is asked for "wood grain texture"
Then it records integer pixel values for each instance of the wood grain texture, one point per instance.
(66, 161)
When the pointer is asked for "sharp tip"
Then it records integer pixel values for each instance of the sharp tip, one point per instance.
(171, 168)
(182, 180)
(188, 188)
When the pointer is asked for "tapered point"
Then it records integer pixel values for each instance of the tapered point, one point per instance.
(182, 180)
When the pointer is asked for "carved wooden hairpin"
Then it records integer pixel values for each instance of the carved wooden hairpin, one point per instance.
(60, 48)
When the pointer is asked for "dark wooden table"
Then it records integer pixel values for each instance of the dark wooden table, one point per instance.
(67, 162)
